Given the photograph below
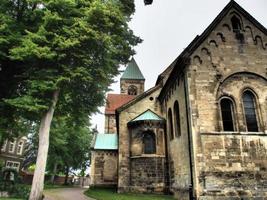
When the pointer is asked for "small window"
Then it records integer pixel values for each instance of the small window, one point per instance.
(227, 112)
(250, 111)
(236, 25)
(132, 90)
(149, 143)
(20, 148)
(11, 147)
(13, 165)
(170, 125)
(177, 119)
(4, 146)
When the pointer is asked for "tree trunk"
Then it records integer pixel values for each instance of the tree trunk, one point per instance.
(52, 179)
(39, 173)
(66, 175)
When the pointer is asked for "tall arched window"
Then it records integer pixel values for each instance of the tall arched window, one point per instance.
(236, 25)
(20, 148)
(250, 111)
(170, 125)
(132, 90)
(149, 143)
(227, 112)
(177, 119)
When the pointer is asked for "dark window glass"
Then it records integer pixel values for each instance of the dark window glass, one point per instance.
(170, 125)
(132, 90)
(236, 25)
(177, 119)
(149, 143)
(227, 114)
(250, 111)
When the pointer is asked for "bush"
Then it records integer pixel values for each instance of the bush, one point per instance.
(12, 187)
(20, 191)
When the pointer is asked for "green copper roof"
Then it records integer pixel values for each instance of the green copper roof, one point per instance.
(132, 71)
(106, 141)
(148, 115)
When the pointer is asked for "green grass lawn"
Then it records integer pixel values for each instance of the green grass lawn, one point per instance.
(110, 194)
(2, 198)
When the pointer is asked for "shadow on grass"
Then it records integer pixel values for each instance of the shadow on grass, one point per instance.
(111, 194)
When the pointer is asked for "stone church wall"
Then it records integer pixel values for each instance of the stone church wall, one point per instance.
(139, 84)
(148, 174)
(178, 146)
(229, 165)
(148, 102)
(110, 123)
(104, 164)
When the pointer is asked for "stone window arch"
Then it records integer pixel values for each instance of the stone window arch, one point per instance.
(170, 124)
(149, 141)
(250, 112)
(227, 114)
(132, 90)
(177, 122)
(236, 23)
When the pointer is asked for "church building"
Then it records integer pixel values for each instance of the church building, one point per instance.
(201, 131)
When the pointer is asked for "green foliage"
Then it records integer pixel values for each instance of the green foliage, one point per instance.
(77, 47)
(14, 189)
(2, 164)
(69, 144)
(72, 45)
(19, 191)
(111, 194)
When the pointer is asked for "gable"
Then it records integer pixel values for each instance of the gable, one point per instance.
(212, 36)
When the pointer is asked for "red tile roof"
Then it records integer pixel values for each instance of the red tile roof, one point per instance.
(115, 101)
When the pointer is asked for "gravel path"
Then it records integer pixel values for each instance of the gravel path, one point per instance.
(66, 194)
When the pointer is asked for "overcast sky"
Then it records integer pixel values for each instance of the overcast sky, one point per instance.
(167, 27)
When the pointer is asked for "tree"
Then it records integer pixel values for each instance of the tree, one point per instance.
(69, 146)
(66, 53)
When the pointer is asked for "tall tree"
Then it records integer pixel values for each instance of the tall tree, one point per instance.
(65, 54)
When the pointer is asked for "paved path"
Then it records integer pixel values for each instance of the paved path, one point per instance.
(66, 194)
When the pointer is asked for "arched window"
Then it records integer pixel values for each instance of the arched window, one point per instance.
(250, 111)
(12, 145)
(20, 148)
(170, 125)
(132, 90)
(236, 25)
(149, 143)
(177, 119)
(227, 112)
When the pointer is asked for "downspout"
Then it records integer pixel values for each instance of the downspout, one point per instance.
(189, 130)
(117, 117)
(108, 123)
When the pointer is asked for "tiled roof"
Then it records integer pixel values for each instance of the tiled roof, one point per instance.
(106, 141)
(147, 115)
(132, 72)
(115, 101)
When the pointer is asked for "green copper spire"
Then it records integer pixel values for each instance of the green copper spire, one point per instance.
(132, 72)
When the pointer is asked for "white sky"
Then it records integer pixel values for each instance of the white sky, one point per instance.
(167, 27)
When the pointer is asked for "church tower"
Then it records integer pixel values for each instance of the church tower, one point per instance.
(132, 80)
